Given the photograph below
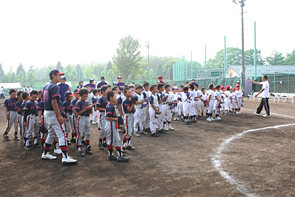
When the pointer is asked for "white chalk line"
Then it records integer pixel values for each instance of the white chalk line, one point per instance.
(217, 162)
(271, 114)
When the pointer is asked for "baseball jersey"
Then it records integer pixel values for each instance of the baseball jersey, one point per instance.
(204, 96)
(50, 92)
(187, 97)
(38, 100)
(233, 97)
(17, 107)
(10, 104)
(80, 105)
(217, 94)
(102, 102)
(154, 99)
(22, 107)
(239, 94)
(94, 99)
(140, 98)
(170, 96)
(228, 94)
(63, 89)
(198, 93)
(66, 106)
(31, 108)
(192, 95)
(146, 95)
(40, 106)
(92, 86)
(73, 103)
(127, 103)
(211, 94)
(161, 95)
(121, 85)
(100, 84)
(110, 111)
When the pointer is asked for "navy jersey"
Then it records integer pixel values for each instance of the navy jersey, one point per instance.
(63, 89)
(67, 106)
(110, 111)
(94, 99)
(127, 103)
(102, 102)
(31, 107)
(121, 85)
(73, 103)
(17, 107)
(40, 106)
(50, 91)
(38, 100)
(100, 84)
(22, 106)
(80, 105)
(10, 104)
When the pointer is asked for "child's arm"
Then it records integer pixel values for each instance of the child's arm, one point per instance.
(83, 110)
(40, 118)
(74, 111)
(130, 107)
(111, 118)
(154, 107)
(7, 113)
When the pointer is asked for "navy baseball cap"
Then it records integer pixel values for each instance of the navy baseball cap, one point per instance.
(63, 78)
(90, 80)
(55, 72)
(69, 93)
(76, 90)
(238, 82)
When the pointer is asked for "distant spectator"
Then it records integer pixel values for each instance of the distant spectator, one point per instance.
(91, 84)
(24, 89)
(80, 85)
(63, 88)
(30, 88)
(102, 83)
(160, 78)
(1, 93)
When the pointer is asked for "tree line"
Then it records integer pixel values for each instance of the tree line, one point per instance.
(130, 64)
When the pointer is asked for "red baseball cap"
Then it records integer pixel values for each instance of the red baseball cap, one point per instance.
(160, 77)
(222, 87)
(227, 87)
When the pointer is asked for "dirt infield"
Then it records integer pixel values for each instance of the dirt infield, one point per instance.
(179, 163)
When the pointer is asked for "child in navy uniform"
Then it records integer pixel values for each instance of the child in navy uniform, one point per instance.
(26, 98)
(101, 105)
(40, 107)
(19, 113)
(111, 128)
(129, 110)
(83, 109)
(11, 115)
(31, 120)
(75, 115)
(68, 110)
(95, 114)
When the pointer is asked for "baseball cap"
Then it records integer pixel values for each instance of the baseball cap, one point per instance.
(222, 87)
(234, 89)
(227, 87)
(238, 82)
(160, 77)
(55, 72)
(90, 80)
(114, 83)
(63, 78)
(69, 93)
(76, 90)
(119, 77)
(238, 85)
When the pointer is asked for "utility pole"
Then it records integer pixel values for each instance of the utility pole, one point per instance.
(147, 44)
(205, 57)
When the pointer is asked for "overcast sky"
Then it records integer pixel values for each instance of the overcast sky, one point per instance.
(41, 33)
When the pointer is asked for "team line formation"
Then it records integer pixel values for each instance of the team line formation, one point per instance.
(53, 113)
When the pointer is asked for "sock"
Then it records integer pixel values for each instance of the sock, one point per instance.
(46, 148)
(124, 143)
(5, 133)
(87, 143)
(73, 136)
(42, 143)
(119, 151)
(27, 141)
(55, 145)
(100, 141)
(207, 115)
(164, 123)
(35, 140)
(104, 140)
(129, 141)
(64, 150)
(15, 133)
(110, 149)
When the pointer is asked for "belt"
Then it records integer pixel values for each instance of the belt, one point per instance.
(101, 111)
(129, 113)
(163, 104)
(11, 110)
(85, 115)
(33, 114)
(70, 113)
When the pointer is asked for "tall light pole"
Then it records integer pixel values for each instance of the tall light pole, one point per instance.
(242, 4)
(147, 44)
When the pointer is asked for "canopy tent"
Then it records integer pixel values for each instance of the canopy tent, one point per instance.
(10, 85)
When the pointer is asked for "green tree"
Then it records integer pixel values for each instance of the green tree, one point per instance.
(276, 58)
(1, 73)
(58, 66)
(79, 72)
(88, 72)
(21, 77)
(233, 57)
(13, 78)
(5, 78)
(249, 57)
(73, 75)
(19, 69)
(109, 65)
(111, 75)
(31, 74)
(127, 58)
(97, 69)
(290, 58)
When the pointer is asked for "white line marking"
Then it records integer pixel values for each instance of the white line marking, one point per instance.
(271, 114)
(216, 159)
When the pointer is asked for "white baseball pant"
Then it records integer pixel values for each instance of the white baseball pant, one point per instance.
(12, 120)
(83, 129)
(161, 117)
(129, 125)
(103, 132)
(32, 126)
(153, 120)
(138, 119)
(113, 134)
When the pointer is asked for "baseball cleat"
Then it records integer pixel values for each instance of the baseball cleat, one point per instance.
(98, 128)
(28, 148)
(161, 131)
(48, 156)
(37, 145)
(155, 134)
(124, 150)
(68, 160)
(143, 132)
(170, 128)
(88, 150)
(257, 114)
(209, 119)
(105, 144)
(218, 118)
(266, 116)
(123, 158)
(165, 128)
(68, 142)
(130, 148)
(58, 151)
(189, 122)
(6, 138)
(185, 123)
(177, 118)
(16, 138)
(73, 140)
(174, 119)
(94, 122)
(80, 153)
(136, 134)
(100, 147)
(112, 158)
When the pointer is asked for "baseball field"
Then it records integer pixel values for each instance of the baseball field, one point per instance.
(242, 155)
